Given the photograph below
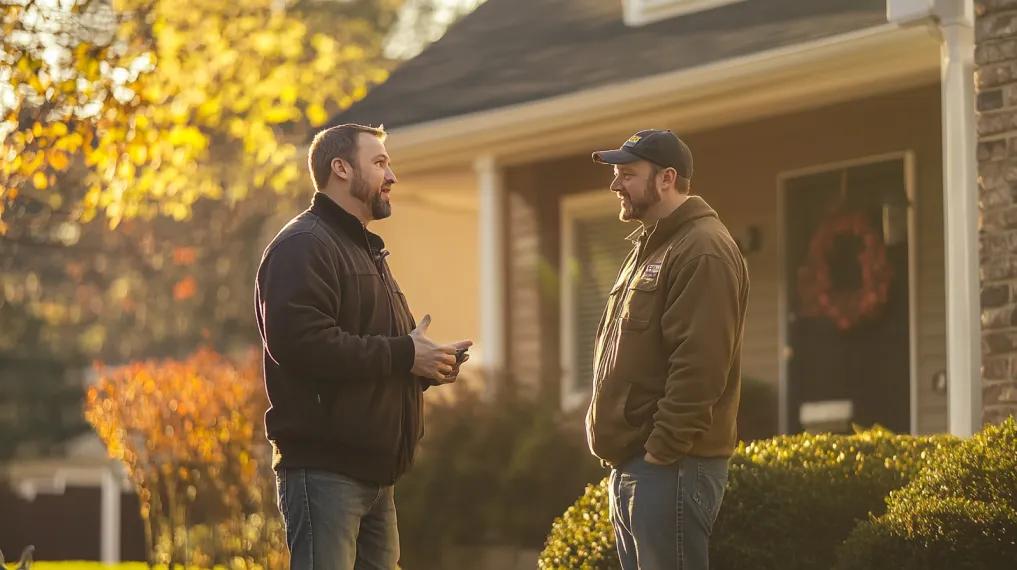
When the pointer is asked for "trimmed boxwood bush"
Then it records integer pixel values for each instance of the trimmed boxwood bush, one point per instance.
(790, 501)
(959, 512)
(583, 538)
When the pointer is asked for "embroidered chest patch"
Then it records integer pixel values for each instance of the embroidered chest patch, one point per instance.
(650, 274)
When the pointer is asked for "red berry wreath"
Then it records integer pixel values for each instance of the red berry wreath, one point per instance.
(846, 308)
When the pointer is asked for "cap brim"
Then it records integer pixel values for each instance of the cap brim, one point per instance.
(618, 156)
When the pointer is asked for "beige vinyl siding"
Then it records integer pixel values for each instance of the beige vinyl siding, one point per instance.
(737, 168)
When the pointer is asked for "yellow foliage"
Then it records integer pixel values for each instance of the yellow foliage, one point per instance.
(40, 180)
(186, 432)
(317, 114)
(58, 159)
(246, 75)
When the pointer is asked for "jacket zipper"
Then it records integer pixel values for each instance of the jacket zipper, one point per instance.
(379, 262)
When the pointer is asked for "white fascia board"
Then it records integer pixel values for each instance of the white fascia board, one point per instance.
(643, 12)
(907, 12)
(865, 62)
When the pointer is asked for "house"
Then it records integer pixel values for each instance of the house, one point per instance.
(59, 489)
(836, 138)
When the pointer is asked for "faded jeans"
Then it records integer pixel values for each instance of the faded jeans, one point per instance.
(334, 522)
(663, 514)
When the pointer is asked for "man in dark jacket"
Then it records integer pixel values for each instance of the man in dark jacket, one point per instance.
(345, 365)
(667, 372)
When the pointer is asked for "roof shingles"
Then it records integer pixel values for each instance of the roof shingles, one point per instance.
(515, 51)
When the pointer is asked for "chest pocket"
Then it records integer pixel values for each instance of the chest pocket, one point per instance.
(403, 316)
(639, 308)
(643, 303)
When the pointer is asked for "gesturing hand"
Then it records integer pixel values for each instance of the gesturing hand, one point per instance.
(433, 361)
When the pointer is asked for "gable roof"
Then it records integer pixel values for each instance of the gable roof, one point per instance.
(515, 51)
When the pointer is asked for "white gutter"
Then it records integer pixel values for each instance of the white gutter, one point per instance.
(960, 203)
(795, 77)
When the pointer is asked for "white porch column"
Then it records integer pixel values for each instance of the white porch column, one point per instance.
(955, 19)
(110, 517)
(492, 265)
(960, 205)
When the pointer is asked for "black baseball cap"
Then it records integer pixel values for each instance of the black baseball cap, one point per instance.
(661, 147)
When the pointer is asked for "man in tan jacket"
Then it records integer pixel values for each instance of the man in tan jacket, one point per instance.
(667, 374)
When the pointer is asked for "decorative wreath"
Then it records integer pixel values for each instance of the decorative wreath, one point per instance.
(846, 308)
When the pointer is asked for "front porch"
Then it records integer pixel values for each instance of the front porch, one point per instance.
(523, 177)
(566, 244)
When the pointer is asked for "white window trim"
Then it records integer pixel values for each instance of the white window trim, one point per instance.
(643, 12)
(584, 205)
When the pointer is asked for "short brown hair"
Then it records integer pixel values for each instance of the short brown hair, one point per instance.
(682, 184)
(339, 141)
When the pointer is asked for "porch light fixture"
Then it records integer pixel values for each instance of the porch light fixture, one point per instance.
(750, 240)
(895, 220)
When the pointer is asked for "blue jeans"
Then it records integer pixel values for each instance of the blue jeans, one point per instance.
(663, 514)
(337, 523)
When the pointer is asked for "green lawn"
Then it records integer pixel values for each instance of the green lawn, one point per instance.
(83, 565)
(79, 565)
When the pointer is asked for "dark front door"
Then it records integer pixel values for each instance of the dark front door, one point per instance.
(846, 252)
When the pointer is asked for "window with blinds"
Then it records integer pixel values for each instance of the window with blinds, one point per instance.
(594, 247)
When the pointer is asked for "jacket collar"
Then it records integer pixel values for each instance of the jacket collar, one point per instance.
(344, 222)
(693, 208)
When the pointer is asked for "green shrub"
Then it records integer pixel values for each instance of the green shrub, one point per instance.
(790, 501)
(959, 512)
(582, 538)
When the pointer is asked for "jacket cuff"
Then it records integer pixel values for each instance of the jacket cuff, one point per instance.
(402, 354)
(662, 451)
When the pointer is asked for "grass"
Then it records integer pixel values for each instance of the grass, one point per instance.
(85, 565)
(80, 565)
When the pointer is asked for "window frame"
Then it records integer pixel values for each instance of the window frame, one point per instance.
(576, 207)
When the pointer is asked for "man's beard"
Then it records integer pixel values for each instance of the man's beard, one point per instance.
(636, 210)
(380, 209)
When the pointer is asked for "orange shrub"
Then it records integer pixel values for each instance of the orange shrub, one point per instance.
(190, 435)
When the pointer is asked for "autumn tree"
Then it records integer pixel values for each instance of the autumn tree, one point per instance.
(155, 104)
(72, 291)
(112, 113)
